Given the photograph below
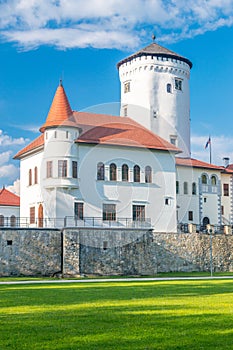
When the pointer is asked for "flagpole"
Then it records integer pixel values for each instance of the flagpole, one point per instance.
(210, 150)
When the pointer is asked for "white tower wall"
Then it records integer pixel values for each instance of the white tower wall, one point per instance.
(146, 99)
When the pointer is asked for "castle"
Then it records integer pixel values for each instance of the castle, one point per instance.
(132, 170)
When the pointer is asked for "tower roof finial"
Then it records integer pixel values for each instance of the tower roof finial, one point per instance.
(153, 37)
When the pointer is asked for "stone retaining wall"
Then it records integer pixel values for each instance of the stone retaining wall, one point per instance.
(33, 252)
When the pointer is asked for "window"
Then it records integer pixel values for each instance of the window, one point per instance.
(35, 175)
(30, 177)
(225, 189)
(127, 87)
(222, 210)
(109, 212)
(105, 245)
(138, 212)
(204, 179)
(205, 200)
(100, 171)
(125, 172)
(177, 187)
(148, 174)
(74, 169)
(49, 169)
(185, 187)
(178, 84)
(213, 180)
(190, 216)
(169, 88)
(62, 168)
(1, 220)
(78, 211)
(13, 221)
(113, 172)
(166, 201)
(32, 215)
(136, 173)
(67, 134)
(55, 134)
(125, 111)
(155, 114)
(194, 188)
(173, 140)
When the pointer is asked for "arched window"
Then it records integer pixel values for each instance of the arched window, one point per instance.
(1, 220)
(136, 173)
(204, 179)
(169, 88)
(194, 188)
(13, 221)
(35, 175)
(113, 172)
(30, 177)
(213, 180)
(100, 171)
(185, 187)
(125, 172)
(148, 174)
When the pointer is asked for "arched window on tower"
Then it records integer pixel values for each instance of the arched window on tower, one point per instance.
(125, 172)
(148, 174)
(136, 173)
(100, 171)
(113, 172)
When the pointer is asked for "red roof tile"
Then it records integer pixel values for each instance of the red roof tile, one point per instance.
(34, 145)
(97, 128)
(59, 111)
(122, 131)
(195, 163)
(8, 198)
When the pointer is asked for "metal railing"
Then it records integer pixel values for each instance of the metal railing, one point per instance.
(214, 229)
(72, 221)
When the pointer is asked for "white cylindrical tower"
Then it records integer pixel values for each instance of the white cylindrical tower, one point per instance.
(155, 93)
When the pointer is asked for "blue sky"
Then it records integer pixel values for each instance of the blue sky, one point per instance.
(81, 42)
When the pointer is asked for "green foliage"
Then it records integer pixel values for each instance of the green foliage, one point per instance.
(127, 315)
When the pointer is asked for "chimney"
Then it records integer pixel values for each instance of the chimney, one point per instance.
(226, 161)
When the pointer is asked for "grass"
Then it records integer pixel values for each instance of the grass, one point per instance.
(117, 315)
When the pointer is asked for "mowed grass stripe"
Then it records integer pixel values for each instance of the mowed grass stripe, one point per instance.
(125, 315)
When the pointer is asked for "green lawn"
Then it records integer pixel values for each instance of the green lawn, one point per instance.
(118, 315)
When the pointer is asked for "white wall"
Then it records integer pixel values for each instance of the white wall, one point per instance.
(148, 79)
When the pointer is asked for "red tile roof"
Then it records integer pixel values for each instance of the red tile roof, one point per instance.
(97, 128)
(34, 145)
(8, 198)
(195, 163)
(121, 131)
(59, 111)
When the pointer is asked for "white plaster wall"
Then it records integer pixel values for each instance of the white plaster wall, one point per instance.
(8, 211)
(226, 200)
(148, 79)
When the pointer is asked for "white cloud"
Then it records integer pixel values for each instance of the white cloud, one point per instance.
(6, 140)
(15, 188)
(5, 157)
(9, 172)
(108, 24)
(221, 146)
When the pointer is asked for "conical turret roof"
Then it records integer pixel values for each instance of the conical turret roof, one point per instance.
(155, 50)
(60, 111)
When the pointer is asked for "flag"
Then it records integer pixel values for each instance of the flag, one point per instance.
(208, 143)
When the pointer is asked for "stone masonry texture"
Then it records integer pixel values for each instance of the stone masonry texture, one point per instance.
(88, 251)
